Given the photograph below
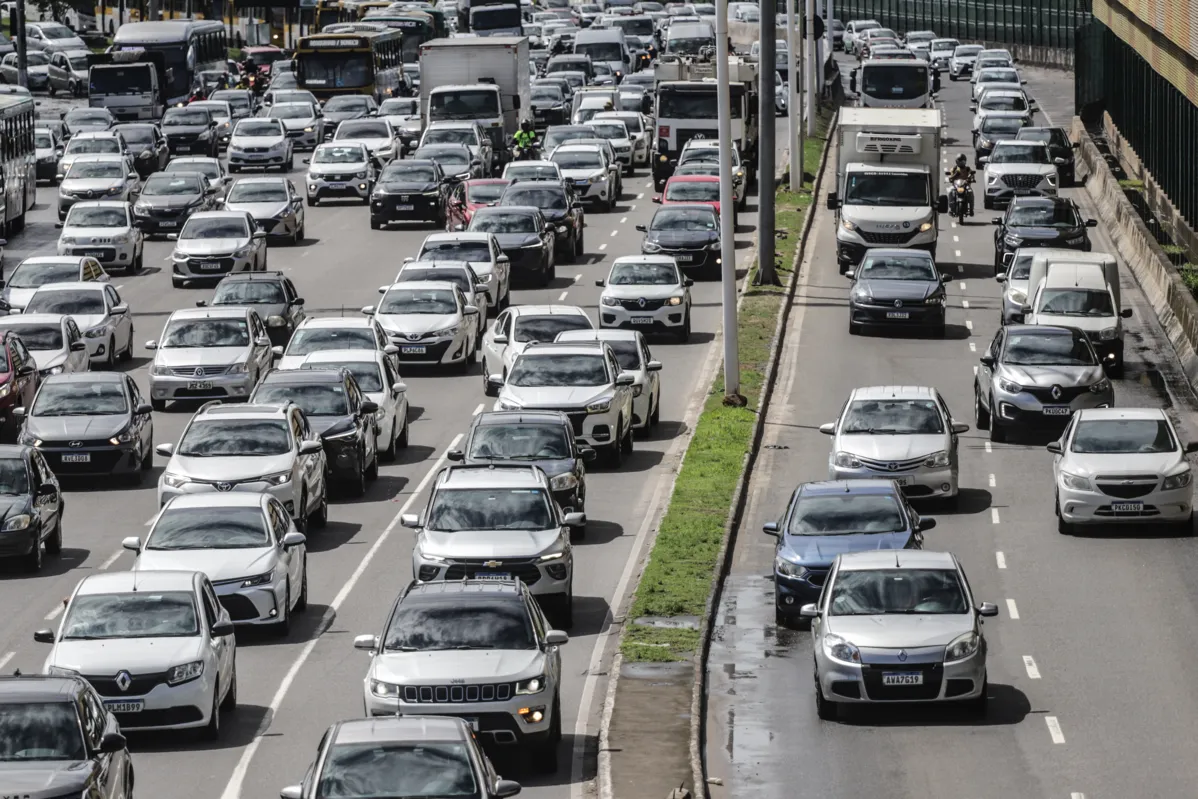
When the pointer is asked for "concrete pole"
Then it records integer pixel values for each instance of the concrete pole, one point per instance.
(792, 101)
(767, 80)
(727, 228)
(829, 41)
(809, 68)
(22, 62)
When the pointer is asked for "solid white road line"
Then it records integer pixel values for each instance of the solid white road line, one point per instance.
(1011, 609)
(994, 515)
(1054, 729)
(1000, 559)
(111, 559)
(233, 788)
(1029, 663)
(1076, 794)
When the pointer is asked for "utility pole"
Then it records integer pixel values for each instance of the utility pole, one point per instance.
(18, 13)
(767, 77)
(727, 228)
(830, 40)
(793, 76)
(809, 67)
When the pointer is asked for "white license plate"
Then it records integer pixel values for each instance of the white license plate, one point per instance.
(903, 481)
(642, 320)
(902, 678)
(125, 707)
(167, 224)
(183, 148)
(199, 385)
(413, 350)
(684, 259)
(493, 576)
(1057, 410)
(257, 157)
(93, 253)
(209, 265)
(338, 185)
(1127, 507)
(76, 457)
(405, 208)
(898, 314)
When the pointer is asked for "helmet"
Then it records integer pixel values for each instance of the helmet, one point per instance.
(526, 125)
(962, 160)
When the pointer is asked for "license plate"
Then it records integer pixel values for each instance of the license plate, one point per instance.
(405, 208)
(642, 320)
(199, 385)
(125, 707)
(684, 259)
(76, 457)
(208, 265)
(1057, 410)
(1127, 507)
(337, 185)
(413, 350)
(257, 157)
(167, 224)
(903, 481)
(493, 576)
(898, 314)
(93, 253)
(902, 678)
(183, 148)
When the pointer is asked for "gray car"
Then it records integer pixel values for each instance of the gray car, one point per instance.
(1037, 376)
(214, 243)
(898, 626)
(97, 177)
(260, 143)
(68, 72)
(37, 71)
(303, 122)
(48, 148)
(167, 201)
(897, 288)
(1017, 274)
(209, 353)
(275, 204)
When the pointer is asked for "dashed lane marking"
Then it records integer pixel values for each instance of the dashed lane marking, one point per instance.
(640, 196)
(957, 253)
(564, 293)
(956, 238)
(1000, 559)
(1029, 663)
(7, 657)
(603, 246)
(623, 220)
(992, 481)
(577, 278)
(1011, 609)
(988, 446)
(994, 515)
(52, 615)
(964, 303)
(479, 409)
(962, 285)
(1054, 729)
(111, 559)
(973, 348)
(615, 232)
(968, 325)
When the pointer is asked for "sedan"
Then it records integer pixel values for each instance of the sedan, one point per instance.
(147, 146)
(276, 205)
(349, 106)
(303, 122)
(404, 115)
(54, 341)
(561, 208)
(167, 201)
(897, 288)
(214, 243)
(260, 143)
(36, 271)
(81, 120)
(525, 237)
(99, 312)
(97, 177)
(211, 168)
(1040, 222)
(222, 113)
(469, 134)
(482, 252)
(33, 507)
(380, 383)
(647, 293)
(103, 230)
(409, 190)
(460, 273)
(693, 189)
(376, 134)
(690, 234)
(189, 131)
(431, 323)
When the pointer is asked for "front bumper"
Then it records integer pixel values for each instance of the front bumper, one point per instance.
(203, 387)
(1097, 507)
(434, 352)
(960, 68)
(189, 146)
(660, 319)
(1024, 409)
(352, 187)
(999, 192)
(209, 267)
(17, 543)
(851, 247)
(162, 220)
(252, 606)
(691, 260)
(305, 139)
(121, 255)
(552, 578)
(91, 458)
(916, 481)
(163, 706)
(497, 722)
(287, 493)
(591, 192)
(957, 681)
(525, 261)
(905, 315)
(405, 207)
(263, 160)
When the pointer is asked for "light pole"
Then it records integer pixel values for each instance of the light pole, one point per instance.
(793, 110)
(767, 77)
(727, 228)
(809, 66)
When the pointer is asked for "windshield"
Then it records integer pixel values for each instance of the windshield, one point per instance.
(1054, 137)
(892, 417)
(328, 154)
(1048, 349)
(687, 191)
(214, 227)
(432, 626)
(209, 169)
(577, 159)
(248, 292)
(97, 216)
(209, 528)
(552, 94)
(600, 51)
(93, 170)
(1123, 437)
(399, 106)
(409, 173)
(634, 27)
(559, 370)
(896, 267)
(1000, 126)
(97, 146)
(691, 219)
(895, 82)
(141, 135)
(553, 199)
(555, 138)
(610, 130)
(1011, 153)
(234, 98)
(207, 333)
(251, 191)
(682, 104)
(37, 336)
(1076, 302)
(450, 136)
(368, 375)
(457, 276)
(842, 514)
(445, 155)
(340, 70)
(363, 129)
(76, 398)
(314, 399)
(1058, 215)
(653, 274)
(544, 329)
(501, 222)
(259, 127)
(520, 442)
(490, 17)
(689, 45)
(172, 186)
(126, 79)
(457, 510)
(14, 480)
(418, 301)
(949, 45)
(219, 111)
(425, 770)
(184, 116)
(455, 251)
(290, 111)
(86, 116)
(313, 339)
(1003, 103)
(80, 302)
(40, 731)
(998, 76)
(232, 438)
(887, 188)
(967, 50)
(519, 171)
(170, 614)
(42, 140)
(876, 592)
(463, 104)
(32, 275)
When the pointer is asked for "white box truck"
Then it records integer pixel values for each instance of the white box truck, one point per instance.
(481, 79)
(888, 190)
(1080, 289)
(132, 84)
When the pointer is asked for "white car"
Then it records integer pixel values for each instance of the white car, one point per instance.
(260, 142)
(97, 177)
(315, 334)
(616, 132)
(103, 230)
(482, 252)
(1018, 168)
(404, 115)
(157, 647)
(1008, 102)
(1007, 77)
(104, 319)
(854, 30)
(457, 272)
(639, 129)
(304, 125)
(377, 134)
(633, 354)
(431, 321)
(92, 142)
(245, 543)
(381, 384)
(647, 293)
(54, 341)
(1122, 465)
(521, 325)
(585, 166)
(340, 170)
(213, 244)
(531, 170)
(40, 270)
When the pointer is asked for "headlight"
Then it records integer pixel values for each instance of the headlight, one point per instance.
(281, 478)
(847, 460)
(347, 434)
(985, 144)
(1074, 242)
(258, 579)
(937, 460)
(926, 226)
(510, 405)
(384, 690)
(1180, 480)
(1101, 386)
(674, 301)
(715, 245)
(448, 332)
(241, 252)
(141, 208)
(847, 225)
(1109, 334)
(486, 278)
(1076, 482)
(650, 247)
(962, 647)
(991, 180)
(115, 191)
(595, 179)
(174, 480)
(157, 369)
(179, 256)
(276, 321)
(531, 686)
(309, 129)
(18, 522)
(1018, 296)
(1013, 240)
(786, 568)
(98, 332)
(1009, 387)
(28, 440)
(602, 406)
(185, 673)
(840, 650)
(122, 438)
(360, 175)
(564, 482)
(238, 368)
(936, 300)
(53, 370)
(609, 300)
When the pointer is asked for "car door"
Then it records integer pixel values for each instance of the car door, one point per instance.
(495, 343)
(223, 648)
(653, 377)
(120, 316)
(77, 359)
(143, 423)
(295, 304)
(260, 354)
(27, 384)
(985, 376)
(501, 266)
(396, 401)
(46, 506)
(55, 71)
(107, 774)
(479, 299)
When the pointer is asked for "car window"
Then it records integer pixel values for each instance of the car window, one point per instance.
(211, 605)
(278, 520)
(95, 719)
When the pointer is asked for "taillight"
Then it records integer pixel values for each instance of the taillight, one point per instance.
(663, 130)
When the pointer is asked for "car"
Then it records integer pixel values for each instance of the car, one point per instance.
(429, 321)
(524, 171)
(609, 157)
(866, 38)
(89, 424)
(1007, 102)
(1061, 149)
(303, 122)
(48, 148)
(242, 101)
(587, 168)
(37, 70)
(822, 519)
(582, 379)
(1016, 275)
(183, 683)
(404, 115)
(616, 132)
(466, 531)
(96, 142)
(467, 196)
(707, 151)
(147, 146)
(1036, 376)
(692, 189)
(454, 159)
(380, 384)
(274, 96)
(898, 627)
(558, 135)
(1040, 222)
(470, 134)
(222, 114)
(83, 750)
(494, 649)
(19, 381)
(349, 106)
(457, 272)
(897, 288)
(527, 239)
(690, 234)
(104, 231)
(97, 177)
(1078, 294)
(402, 745)
(190, 130)
(213, 244)
(274, 203)
(993, 128)
(997, 54)
(984, 79)
(260, 142)
(482, 252)
(50, 37)
(80, 120)
(647, 293)
(960, 64)
(271, 294)
(315, 334)
(560, 206)
(34, 507)
(38, 270)
(940, 52)
(53, 341)
(98, 310)
(340, 170)
(409, 190)
(1016, 169)
(1122, 466)
(211, 168)
(377, 134)
(633, 356)
(209, 353)
(550, 105)
(166, 201)
(521, 325)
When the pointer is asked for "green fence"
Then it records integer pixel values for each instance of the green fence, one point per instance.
(1042, 23)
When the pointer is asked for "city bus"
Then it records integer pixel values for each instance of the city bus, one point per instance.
(189, 46)
(417, 27)
(18, 165)
(366, 62)
(328, 12)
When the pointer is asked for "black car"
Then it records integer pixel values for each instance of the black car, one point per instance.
(347, 106)
(409, 190)
(896, 288)
(168, 199)
(31, 506)
(1060, 149)
(455, 160)
(550, 106)
(993, 129)
(91, 423)
(540, 438)
(560, 207)
(85, 120)
(525, 237)
(336, 408)
(688, 233)
(271, 294)
(80, 750)
(147, 145)
(1040, 222)
(190, 131)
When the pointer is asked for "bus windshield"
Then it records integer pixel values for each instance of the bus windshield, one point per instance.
(336, 70)
(493, 17)
(694, 104)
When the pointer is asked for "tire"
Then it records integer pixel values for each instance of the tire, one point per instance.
(372, 471)
(1063, 527)
(1116, 370)
(827, 711)
(565, 610)
(628, 439)
(301, 604)
(854, 329)
(615, 452)
(301, 516)
(987, 203)
(981, 416)
(998, 433)
(311, 203)
(298, 237)
(50, 90)
(357, 485)
(139, 262)
(158, 405)
(390, 452)
(110, 363)
(147, 460)
(580, 244)
(229, 703)
(684, 335)
(211, 732)
(655, 414)
(547, 759)
(233, 169)
(402, 441)
(320, 519)
(375, 224)
(54, 540)
(127, 355)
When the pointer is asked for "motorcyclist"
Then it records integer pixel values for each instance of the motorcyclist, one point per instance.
(525, 139)
(961, 171)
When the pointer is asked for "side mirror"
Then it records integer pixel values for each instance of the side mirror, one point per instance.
(653, 366)
(657, 199)
(298, 301)
(294, 539)
(1058, 161)
(642, 229)
(410, 520)
(277, 352)
(926, 524)
(1191, 447)
(828, 429)
(556, 638)
(58, 225)
(987, 609)
(28, 369)
(942, 204)
(945, 277)
(996, 220)
(367, 643)
(1075, 145)
(144, 408)
(1091, 223)
(494, 382)
(259, 234)
(1125, 313)
(368, 310)
(833, 201)
(809, 611)
(307, 160)
(399, 387)
(1025, 310)
(44, 636)
(500, 339)
(575, 520)
(625, 379)
(1054, 447)
(455, 455)
(391, 349)
(112, 742)
(987, 361)
(771, 528)
(600, 283)
(262, 341)
(470, 310)
(222, 629)
(118, 310)
(850, 275)
(310, 447)
(18, 413)
(172, 236)
(506, 788)
(370, 407)
(973, 107)
(292, 792)
(1001, 277)
(165, 450)
(960, 427)
(132, 543)
(47, 490)
(688, 282)
(589, 455)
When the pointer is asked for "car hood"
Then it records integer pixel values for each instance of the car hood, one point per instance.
(88, 321)
(403, 121)
(84, 127)
(512, 241)
(372, 143)
(169, 201)
(94, 233)
(896, 448)
(821, 550)
(135, 655)
(44, 779)
(230, 468)
(259, 210)
(407, 187)
(58, 428)
(898, 289)
(90, 184)
(1021, 169)
(351, 168)
(242, 141)
(579, 174)
(183, 130)
(218, 564)
(72, 43)
(894, 631)
(322, 424)
(471, 665)
(341, 116)
(199, 356)
(552, 468)
(555, 396)
(639, 291)
(1121, 463)
(1048, 376)
(210, 246)
(682, 238)
(298, 124)
(1046, 233)
(18, 298)
(45, 359)
(489, 543)
(416, 323)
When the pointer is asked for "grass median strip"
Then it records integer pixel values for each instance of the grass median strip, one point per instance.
(681, 567)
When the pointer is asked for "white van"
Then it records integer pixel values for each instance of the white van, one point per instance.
(605, 45)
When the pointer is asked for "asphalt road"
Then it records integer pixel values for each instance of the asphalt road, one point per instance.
(1089, 660)
(290, 690)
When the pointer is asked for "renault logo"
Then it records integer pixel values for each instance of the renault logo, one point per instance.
(123, 680)
(199, 371)
(898, 303)
(641, 302)
(1056, 392)
(224, 486)
(902, 655)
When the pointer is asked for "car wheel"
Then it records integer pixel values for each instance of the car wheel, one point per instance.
(998, 433)
(301, 515)
(158, 405)
(580, 244)
(628, 440)
(110, 362)
(655, 414)
(988, 204)
(230, 702)
(565, 609)
(234, 169)
(684, 335)
(827, 711)
(212, 731)
(977, 706)
(50, 90)
(981, 416)
(372, 471)
(615, 450)
(321, 517)
(390, 452)
(854, 329)
(301, 602)
(1063, 527)
(283, 627)
(375, 224)
(54, 540)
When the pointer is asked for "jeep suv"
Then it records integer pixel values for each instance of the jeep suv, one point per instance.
(480, 650)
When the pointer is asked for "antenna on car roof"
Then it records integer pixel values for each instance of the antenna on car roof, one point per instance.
(17, 673)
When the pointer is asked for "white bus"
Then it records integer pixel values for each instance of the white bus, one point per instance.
(189, 47)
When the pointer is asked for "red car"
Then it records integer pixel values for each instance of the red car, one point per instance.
(468, 196)
(693, 189)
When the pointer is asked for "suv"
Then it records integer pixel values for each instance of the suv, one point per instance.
(559, 205)
(497, 523)
(1060, 147)
(478, 649)
(582, 379)
(519, 326)
(1016, 169)
(250, 448)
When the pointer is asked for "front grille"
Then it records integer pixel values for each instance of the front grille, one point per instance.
(1067, 394)
(182, 138)
(526, 572)
(166, 717)
(74, 444)
(139, 685)
(892, 466)
(642, 305)
(334, 178)
(933, 674)
(1021, 181)
(490, 692)
(887, 238)
(1121, 491)
(198, 371)
(256, 150)
(206, 393)
(240, 608)
(291, 134)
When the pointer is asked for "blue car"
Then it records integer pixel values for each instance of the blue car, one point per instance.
(824, 519)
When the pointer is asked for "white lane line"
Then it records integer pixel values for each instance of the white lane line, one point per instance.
(1011, 609)
(7, 657)
(988, 446)
(564, 293)
(954, 224)
(992, 481)
(975, 369)
(479, 409)
(577, 278)
(640, 196)
(956, 238)
(1029, 663)
(649, 185)
(615, 232)
(964, 303)
(963, 285)
(973, 348)
(1054, 729)
(968, 324)
(111, 559)
(603, 246)
(233, 788)
(957, 253)
(1001, 559)
(1075, 794)
(623, 219)
(52, 615)
(994, 515)
(120, 288)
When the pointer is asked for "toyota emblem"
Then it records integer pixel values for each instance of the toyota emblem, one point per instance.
(641, 302)
(123, 680)
(224, 486)
(1056, 392)
(902, 655)
(898, 303)
(892, 467)
(199, 371)
(414, 336)
(76, 444)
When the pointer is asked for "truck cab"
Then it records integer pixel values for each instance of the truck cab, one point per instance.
(131, 84)
(895, 83)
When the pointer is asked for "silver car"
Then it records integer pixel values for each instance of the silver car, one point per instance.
(222, 112)
(211, 168)
(259, 142)
(97, 177)
(38, 270)
(404, 115)
(341, 170)
(377, 134)
(98, 310)
(898, 626)
(275, 204)
(304, 124)
(208, 353)
(214, 243)
(54, 341)
(1037, 376)
(900, 433)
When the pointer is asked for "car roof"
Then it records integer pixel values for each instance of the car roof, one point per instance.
(1043, 330)
(434, 263)
(335, 321)
(305, 376)
(1122, 413)
(414, 729)
(449, 123)
(546, 310)
(37, 318)
(345, 356)
(272, 275)
(115, 158)
(528, 210)
(1044, 201)
(695, 206)
(96, 134)
(212, 312)
(55, 259)
(604, 334)
(22, 688)
(460, 235)
(101, 204)
(893, 392)
(87, 377)
(127, 582)
(263, 179)
(573, 146)
(584, 347)
(694, 179)
(897, 559)
(895, 252)
(521, 417)
(227, 499)
(865, 486)
(466, 589)
(219, 215)
(74, 285)
(491, 476)
(648, 259)
(423, 284)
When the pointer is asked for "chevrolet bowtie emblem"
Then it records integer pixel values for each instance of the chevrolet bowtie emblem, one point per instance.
(491, 564)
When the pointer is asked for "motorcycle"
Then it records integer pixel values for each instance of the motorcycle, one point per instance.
(960, 199)
(524, 153)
